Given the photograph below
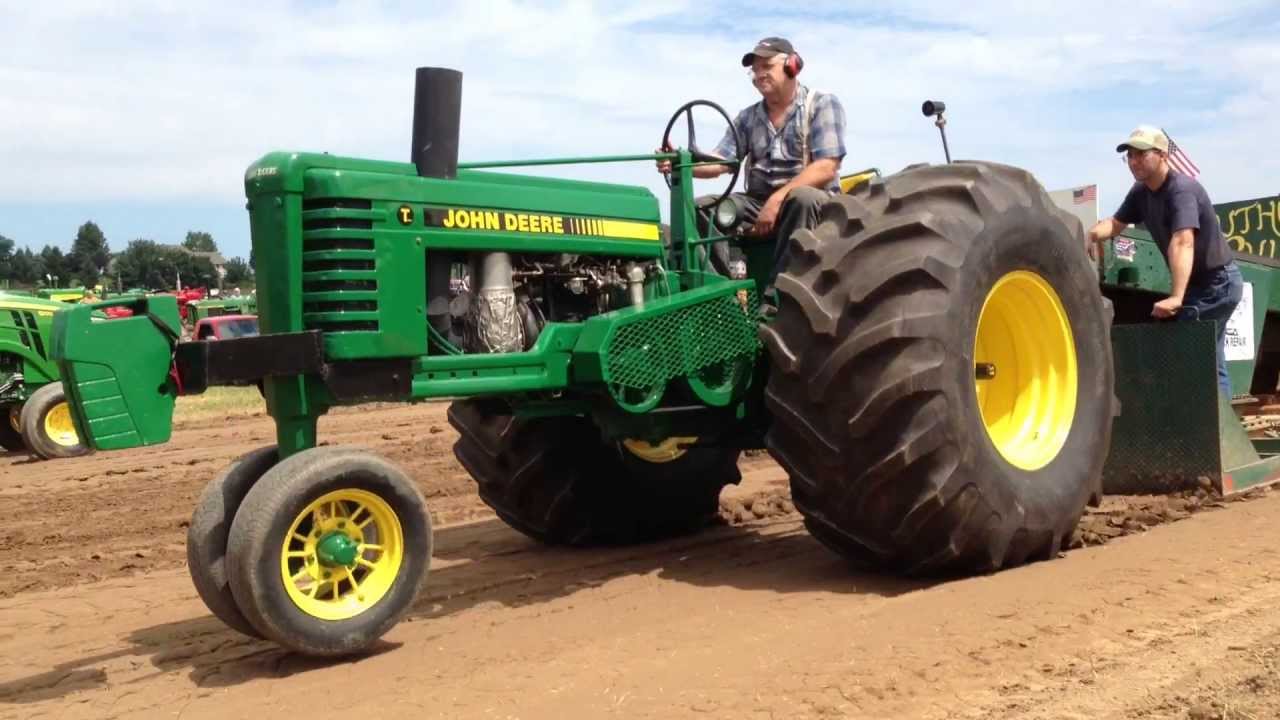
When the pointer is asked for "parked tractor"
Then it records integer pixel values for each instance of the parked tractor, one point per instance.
(218, 307)
(935, 377)
(34, 414)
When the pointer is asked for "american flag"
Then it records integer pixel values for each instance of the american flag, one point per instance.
(1180, 160)
(1088, 193)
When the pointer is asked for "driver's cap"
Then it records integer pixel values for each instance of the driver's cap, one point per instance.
(768, 47)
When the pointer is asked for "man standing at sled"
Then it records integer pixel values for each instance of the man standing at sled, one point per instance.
(1180, 217)
(793, 141)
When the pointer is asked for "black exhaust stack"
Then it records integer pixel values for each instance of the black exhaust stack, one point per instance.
(437, 113)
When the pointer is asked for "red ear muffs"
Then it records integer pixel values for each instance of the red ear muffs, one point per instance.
(793, 66)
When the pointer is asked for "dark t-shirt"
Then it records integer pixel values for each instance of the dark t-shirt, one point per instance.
(1180, 203)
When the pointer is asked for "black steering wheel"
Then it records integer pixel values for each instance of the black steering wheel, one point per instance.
(698, 155)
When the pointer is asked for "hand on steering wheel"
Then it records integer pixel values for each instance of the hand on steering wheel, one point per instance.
(698, 155)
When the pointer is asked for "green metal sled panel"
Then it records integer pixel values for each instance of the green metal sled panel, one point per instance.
(1174, 426)
(1138, 265)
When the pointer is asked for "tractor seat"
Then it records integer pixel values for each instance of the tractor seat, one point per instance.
(849, 183)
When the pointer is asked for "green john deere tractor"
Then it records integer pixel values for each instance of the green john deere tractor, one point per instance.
(34, 414)
(216, 307)
(935, 374)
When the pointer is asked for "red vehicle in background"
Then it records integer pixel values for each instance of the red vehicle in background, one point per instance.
(224, 327)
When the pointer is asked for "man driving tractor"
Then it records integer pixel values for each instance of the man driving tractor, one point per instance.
(792, 141)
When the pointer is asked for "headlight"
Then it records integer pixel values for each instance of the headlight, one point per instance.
(727, 214)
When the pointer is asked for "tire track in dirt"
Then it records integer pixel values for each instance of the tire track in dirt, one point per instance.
(125, 513)
(750, 618)
(739, 621)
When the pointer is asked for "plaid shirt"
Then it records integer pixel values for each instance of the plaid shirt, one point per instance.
(775, 154)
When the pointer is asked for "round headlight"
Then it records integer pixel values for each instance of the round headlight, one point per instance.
(727, 214)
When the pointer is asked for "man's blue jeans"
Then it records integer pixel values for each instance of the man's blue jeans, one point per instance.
(1215, 299)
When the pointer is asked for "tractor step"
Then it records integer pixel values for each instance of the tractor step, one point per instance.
(1174, 426)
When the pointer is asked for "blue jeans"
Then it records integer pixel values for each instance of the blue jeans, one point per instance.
(1215, 298)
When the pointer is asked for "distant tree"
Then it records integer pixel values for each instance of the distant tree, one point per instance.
(55, 266)
(89, 254)
(252, 264)
(237, 271)
(198, 241)
(145, 263)
(194, 271)
(142, 264)
(27, 266)
(6, 259)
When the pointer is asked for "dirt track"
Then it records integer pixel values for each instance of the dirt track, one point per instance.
(749, 619)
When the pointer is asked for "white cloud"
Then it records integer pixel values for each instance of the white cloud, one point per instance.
(154, 101)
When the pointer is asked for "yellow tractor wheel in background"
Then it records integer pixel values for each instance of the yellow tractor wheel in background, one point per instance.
(10, 429)
(47, 427)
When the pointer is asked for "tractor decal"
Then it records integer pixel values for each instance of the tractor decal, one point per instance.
(490, 220)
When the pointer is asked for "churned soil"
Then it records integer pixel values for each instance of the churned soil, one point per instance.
(1164, 607)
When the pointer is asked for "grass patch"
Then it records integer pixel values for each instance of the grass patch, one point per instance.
(219, 402)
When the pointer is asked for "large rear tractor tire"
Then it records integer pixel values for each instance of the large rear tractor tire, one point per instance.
(557, 481)
(47, 427)
(10, 429)
(207, 535)
(328, 551)
(941, 384)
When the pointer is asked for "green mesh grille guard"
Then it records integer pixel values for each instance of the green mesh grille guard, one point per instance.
(648, 350)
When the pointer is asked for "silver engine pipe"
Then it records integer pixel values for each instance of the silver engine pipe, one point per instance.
(497, 322)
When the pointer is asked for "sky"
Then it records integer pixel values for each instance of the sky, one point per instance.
(142, 116)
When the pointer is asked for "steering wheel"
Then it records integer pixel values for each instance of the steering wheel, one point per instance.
(698, 155)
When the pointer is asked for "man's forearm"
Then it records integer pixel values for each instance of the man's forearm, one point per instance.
(711, 171)
(1182, 254)
(1107, 228)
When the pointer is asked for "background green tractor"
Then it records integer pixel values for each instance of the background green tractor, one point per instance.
(34, 414)
(936, 380)
(217, 307)
(68, 295)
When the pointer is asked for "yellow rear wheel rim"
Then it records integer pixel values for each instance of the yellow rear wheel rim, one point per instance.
(342, 592)
(1025, 351)
(663, 452)
(58, 426)
(15, 414)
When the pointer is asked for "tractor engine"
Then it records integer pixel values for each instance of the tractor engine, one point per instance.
(503, 300)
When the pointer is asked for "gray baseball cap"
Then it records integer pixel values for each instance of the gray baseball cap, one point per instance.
(768, 47)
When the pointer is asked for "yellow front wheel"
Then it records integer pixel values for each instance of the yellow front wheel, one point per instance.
(328, 550)
(207, 534)
(342, 554)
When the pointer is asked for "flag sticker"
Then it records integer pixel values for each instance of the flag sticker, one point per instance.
(1126, 248)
